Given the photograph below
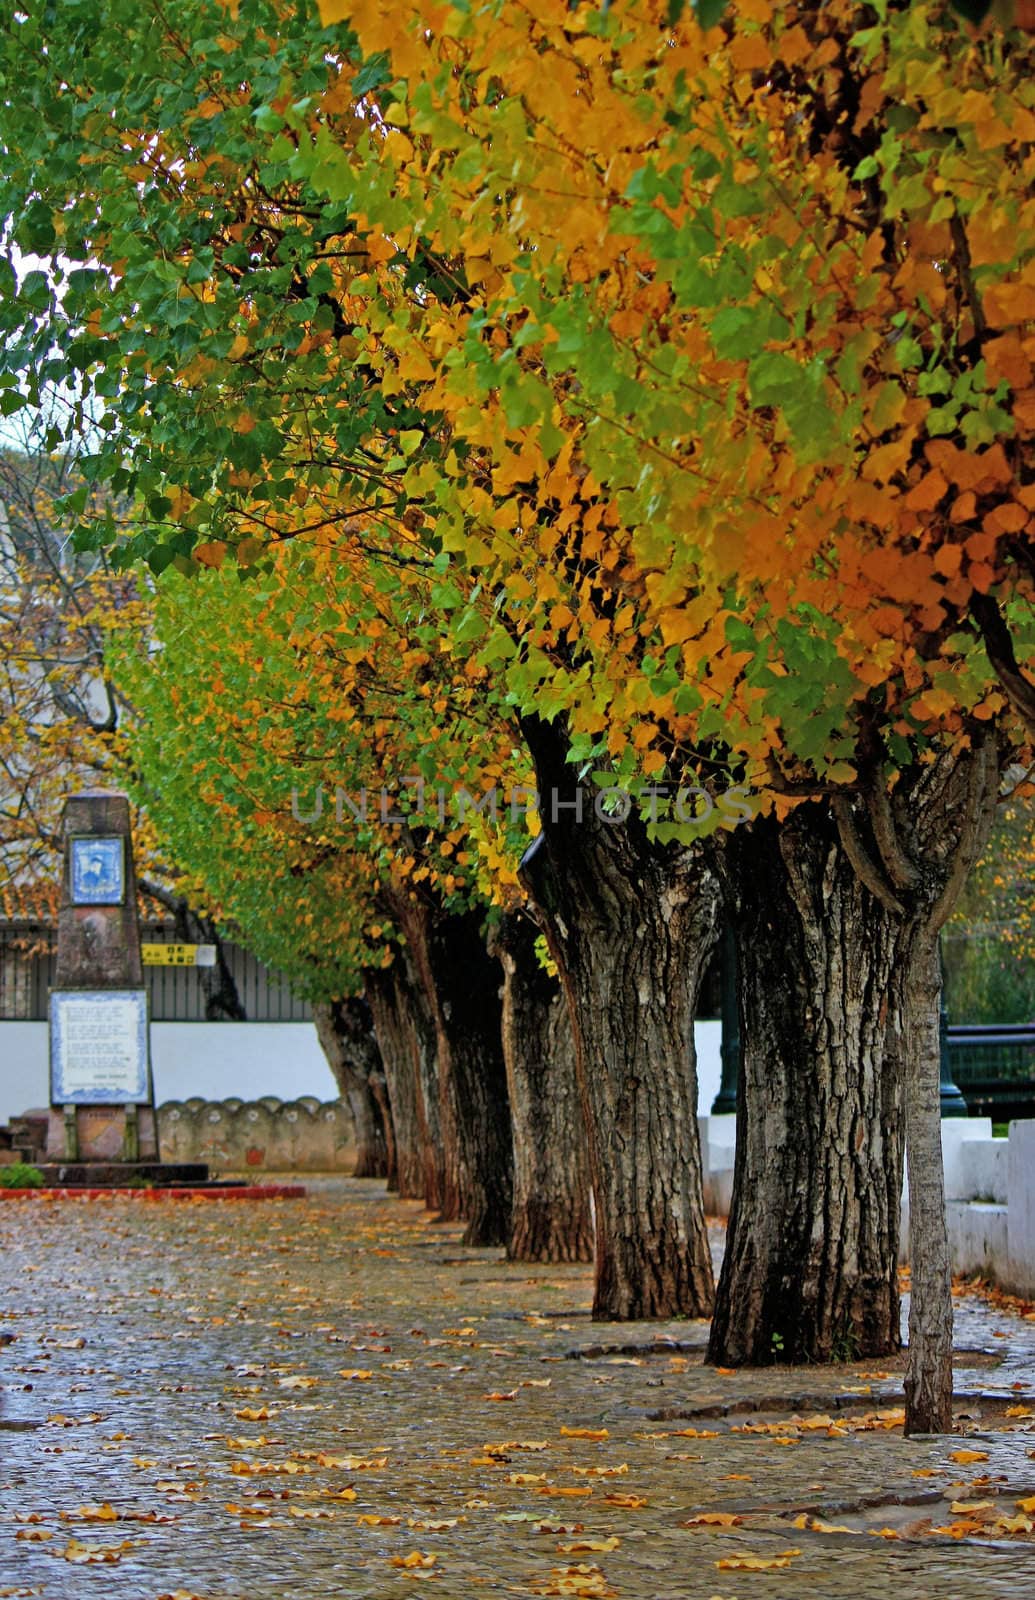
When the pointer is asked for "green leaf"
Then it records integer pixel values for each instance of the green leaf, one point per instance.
(374, 72)
(708, 12)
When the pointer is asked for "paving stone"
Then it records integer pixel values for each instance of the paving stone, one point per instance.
(161, 1362)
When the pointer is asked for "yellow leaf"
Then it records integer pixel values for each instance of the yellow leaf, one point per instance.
(965, 1457)
(756, 1563)
(332, 11)
(584, 1433)
(104, 1513)
(414, 1559)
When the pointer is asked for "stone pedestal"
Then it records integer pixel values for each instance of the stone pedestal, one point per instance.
(102, 1101)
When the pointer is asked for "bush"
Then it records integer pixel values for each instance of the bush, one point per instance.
(19, 1175)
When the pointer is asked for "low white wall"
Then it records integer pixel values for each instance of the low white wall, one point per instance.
(978, 1238)
(1020, 1271)
(708, 1044)
(24, 1071)
(213, 1060)
(216, 1059)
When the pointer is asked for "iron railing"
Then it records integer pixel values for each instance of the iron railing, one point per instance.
(994, 1067)
(175, 994)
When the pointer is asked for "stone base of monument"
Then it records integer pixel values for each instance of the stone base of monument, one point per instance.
(102, 1133)
(123, 1174)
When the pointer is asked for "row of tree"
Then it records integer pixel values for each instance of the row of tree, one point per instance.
(600, 403)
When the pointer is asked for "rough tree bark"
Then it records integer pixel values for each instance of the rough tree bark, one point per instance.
(440, 1111)
(630, 925)
(810, 1271)
(918, 844)
(913, 845)
(379, 1090)
(928, 1382)
(345, 1031)
(437, 1159)
(552, 1217)
(462, 983)
(385, 994)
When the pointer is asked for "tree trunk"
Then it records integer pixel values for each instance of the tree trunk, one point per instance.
(913, 845)
(552, 1218)
(414, 918)
(424, 1044)
(386, 998)
(465, 983)
(345, 1031)
(928, 1382)
(630, 924)
(810, 1272)
(379, 1090)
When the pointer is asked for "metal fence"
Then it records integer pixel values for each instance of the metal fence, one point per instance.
(994, 1068)
(175, 994)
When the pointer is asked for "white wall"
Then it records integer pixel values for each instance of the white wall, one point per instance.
(707, 1039)
(24, 1075)
(212, 1060)
(216, 1059)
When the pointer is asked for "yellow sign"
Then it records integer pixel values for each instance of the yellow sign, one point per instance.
(178, 955)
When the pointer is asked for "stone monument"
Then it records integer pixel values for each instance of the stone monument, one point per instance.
(101, 1094)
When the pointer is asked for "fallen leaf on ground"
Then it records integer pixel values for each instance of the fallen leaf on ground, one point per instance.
(81, 1554)
(585, 1579)
(414, 1559)
(104, 1513)
(757, 1563)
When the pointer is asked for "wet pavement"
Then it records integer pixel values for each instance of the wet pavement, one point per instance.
(332, 1397)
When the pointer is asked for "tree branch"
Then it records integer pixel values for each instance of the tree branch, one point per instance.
(868, 871)
(1019, 689)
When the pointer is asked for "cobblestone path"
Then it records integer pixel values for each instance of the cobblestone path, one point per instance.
(331, 1397)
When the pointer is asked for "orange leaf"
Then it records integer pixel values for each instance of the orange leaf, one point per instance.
(926, 494)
